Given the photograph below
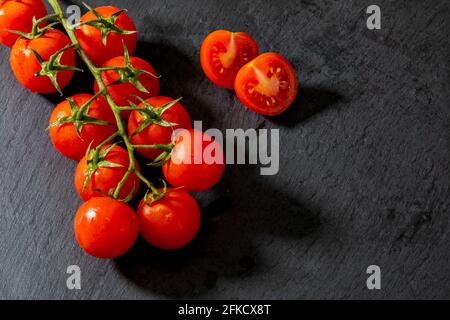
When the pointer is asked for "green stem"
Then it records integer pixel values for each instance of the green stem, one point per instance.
(163, 147)
(96, 72)
(148, 183)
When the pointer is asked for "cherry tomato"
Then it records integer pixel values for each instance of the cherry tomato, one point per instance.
(154, 133)
(171, 222)
(267, 84)
(90, 37)
(65, 137)
(105, 175)
(18, 15)
(196, 162)
(25, 65)
(124, 92)
(223, 53)
(105, 228)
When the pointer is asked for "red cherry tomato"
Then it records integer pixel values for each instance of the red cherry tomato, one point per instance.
(223, 53)
(155, 133)
(171, 222)
(25, 65)
(267, 84)
(90, 37)
(65, 137)
(18, 16)
(124, 92)
(197, 162)
(106, 177)
(106, 228)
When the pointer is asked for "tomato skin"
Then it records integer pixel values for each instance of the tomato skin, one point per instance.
(65, 138)
(90, 37)
(124, 92)
(104, 178)
(227, 51)
(18, 16)
(105, 228)
(154, 133)
(259, 95)
(24, 64)
(182, 171)
(171, 222)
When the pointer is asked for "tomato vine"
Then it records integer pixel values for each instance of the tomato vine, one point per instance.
(127, 73)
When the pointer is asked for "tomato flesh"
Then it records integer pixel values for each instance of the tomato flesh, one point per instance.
(223, 53)
(267, 84)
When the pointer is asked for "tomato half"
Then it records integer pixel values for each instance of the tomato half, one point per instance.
(18, 16)
(223, 53)
(155, 133)
(106, 176)
(90, 37)
(197, 162)
(267, 84)
(25, 65)
(124, 92)
(106, 228)
(65, 137)
(171, 222)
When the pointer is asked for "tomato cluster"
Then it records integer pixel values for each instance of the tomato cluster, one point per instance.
(266, 83)
(125, 104)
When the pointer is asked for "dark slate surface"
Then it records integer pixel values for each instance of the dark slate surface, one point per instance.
(364, 175)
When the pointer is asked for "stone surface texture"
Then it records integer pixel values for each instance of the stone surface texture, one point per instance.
(364, 167)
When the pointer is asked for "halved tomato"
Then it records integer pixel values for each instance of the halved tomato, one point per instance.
(267, 84)
(223, 53)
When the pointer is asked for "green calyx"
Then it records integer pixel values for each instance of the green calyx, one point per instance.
(152, 115)
(155, 195)
(51, 67)
(106, 25)
(79, 116)
(164, 157)
(37, 31)
(128, 73)
(95, 159)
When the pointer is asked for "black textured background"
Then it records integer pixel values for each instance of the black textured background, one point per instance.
(364, 176)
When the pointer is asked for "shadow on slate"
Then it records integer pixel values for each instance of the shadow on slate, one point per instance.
(234, 214)
(69, 2)
(308, 103)
(232, 219)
